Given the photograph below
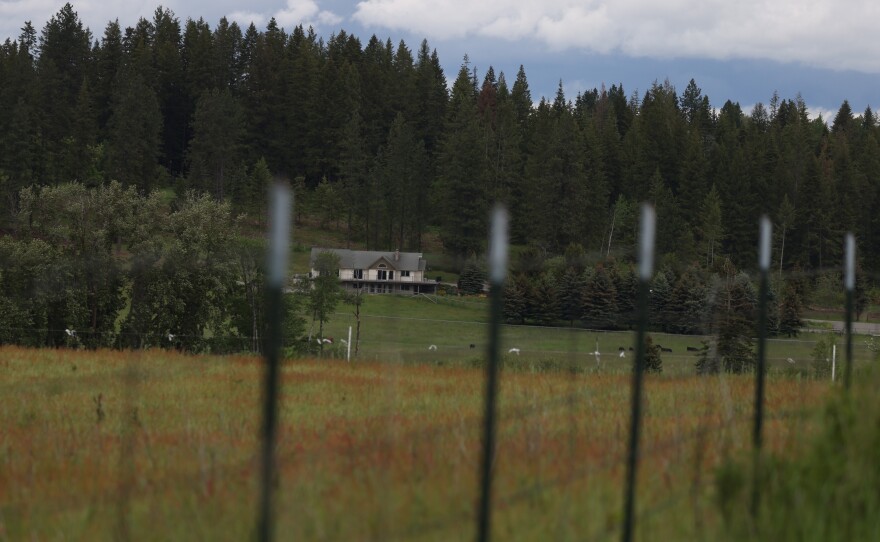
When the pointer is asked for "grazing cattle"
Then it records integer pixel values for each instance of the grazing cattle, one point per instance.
(792, 361)
(513, 351)
(630, 348)
(621, 349)
(432, 348)
(473, 345)
(622, 354)
(692, 349)
(665, 349)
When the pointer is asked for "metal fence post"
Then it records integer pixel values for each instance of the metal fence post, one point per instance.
(764, 270)
(279, 246)
(850, 284)
(646, 270)
(497, 274)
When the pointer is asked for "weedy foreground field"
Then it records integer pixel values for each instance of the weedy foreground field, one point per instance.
(158, 445)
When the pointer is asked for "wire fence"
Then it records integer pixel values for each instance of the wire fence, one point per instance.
(400, 444)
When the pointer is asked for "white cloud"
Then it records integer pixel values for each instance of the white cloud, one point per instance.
(814, 112)
(306, 13)
(823, 33)
(95, 14)
(245, 18)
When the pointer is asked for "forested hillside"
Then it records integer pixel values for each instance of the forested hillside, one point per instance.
(373, 134)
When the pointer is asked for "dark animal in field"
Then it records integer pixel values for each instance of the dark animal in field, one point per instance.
(692, 349)
(665, 349)
(630, 348)
(621, 349)
(473, 345)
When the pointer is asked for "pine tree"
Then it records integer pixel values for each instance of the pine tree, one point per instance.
(735, 346)
(461, 186)
(711, 225)
(218, 129)
(134, 131)
(226, 52)
(599, 301)
(653, 362)
(546, 300)
(65, 52)
(687, 303)
(571, 284)
(175, 105)
(660, 300)
(516, 299)
(472, 278)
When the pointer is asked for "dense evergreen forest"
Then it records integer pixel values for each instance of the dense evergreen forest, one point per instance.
(395, 150)
(374, 138)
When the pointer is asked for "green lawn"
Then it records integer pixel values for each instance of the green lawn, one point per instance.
(403, 328)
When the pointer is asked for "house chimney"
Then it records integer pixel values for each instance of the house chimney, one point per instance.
(397, 255)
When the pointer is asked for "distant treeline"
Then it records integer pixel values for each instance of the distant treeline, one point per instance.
(375, 139)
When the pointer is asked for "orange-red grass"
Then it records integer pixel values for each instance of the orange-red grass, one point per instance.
(367, 451)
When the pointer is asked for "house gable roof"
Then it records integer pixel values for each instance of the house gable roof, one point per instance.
(368, 259)
(383, 260)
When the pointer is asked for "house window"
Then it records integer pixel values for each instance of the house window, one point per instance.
(404, 273)
(359, 274)
(404, 287)
(383, 274)
(391, 275)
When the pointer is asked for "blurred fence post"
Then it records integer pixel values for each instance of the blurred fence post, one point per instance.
(280, 202)
(764, 270)
(497, 274)
(646, 270)
(850, 284)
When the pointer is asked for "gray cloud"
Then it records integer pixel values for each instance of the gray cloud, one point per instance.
(95, 14)
(822, 33)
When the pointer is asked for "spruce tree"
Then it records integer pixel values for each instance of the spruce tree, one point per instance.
(653, 361)
(218, 130)
(790, 309)
(546, 300)
(516, 302)
(571, 285)
(472, 278)
(461, 185)
(599, 301)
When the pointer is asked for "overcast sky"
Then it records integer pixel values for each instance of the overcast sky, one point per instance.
(742, 50)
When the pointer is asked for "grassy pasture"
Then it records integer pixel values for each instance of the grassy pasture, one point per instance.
(402, 328)
(369, 451)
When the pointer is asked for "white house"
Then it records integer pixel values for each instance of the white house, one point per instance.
(380, 272)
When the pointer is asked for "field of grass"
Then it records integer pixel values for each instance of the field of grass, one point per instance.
(402, 328)
(159, 445)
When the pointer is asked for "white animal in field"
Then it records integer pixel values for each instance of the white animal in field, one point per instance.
(327, 341)
(433, 348)
(170, 337)
(792, 361)
(513, 351)
(622, 354)
(597, 353)
(343, 341)
(70, 332)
